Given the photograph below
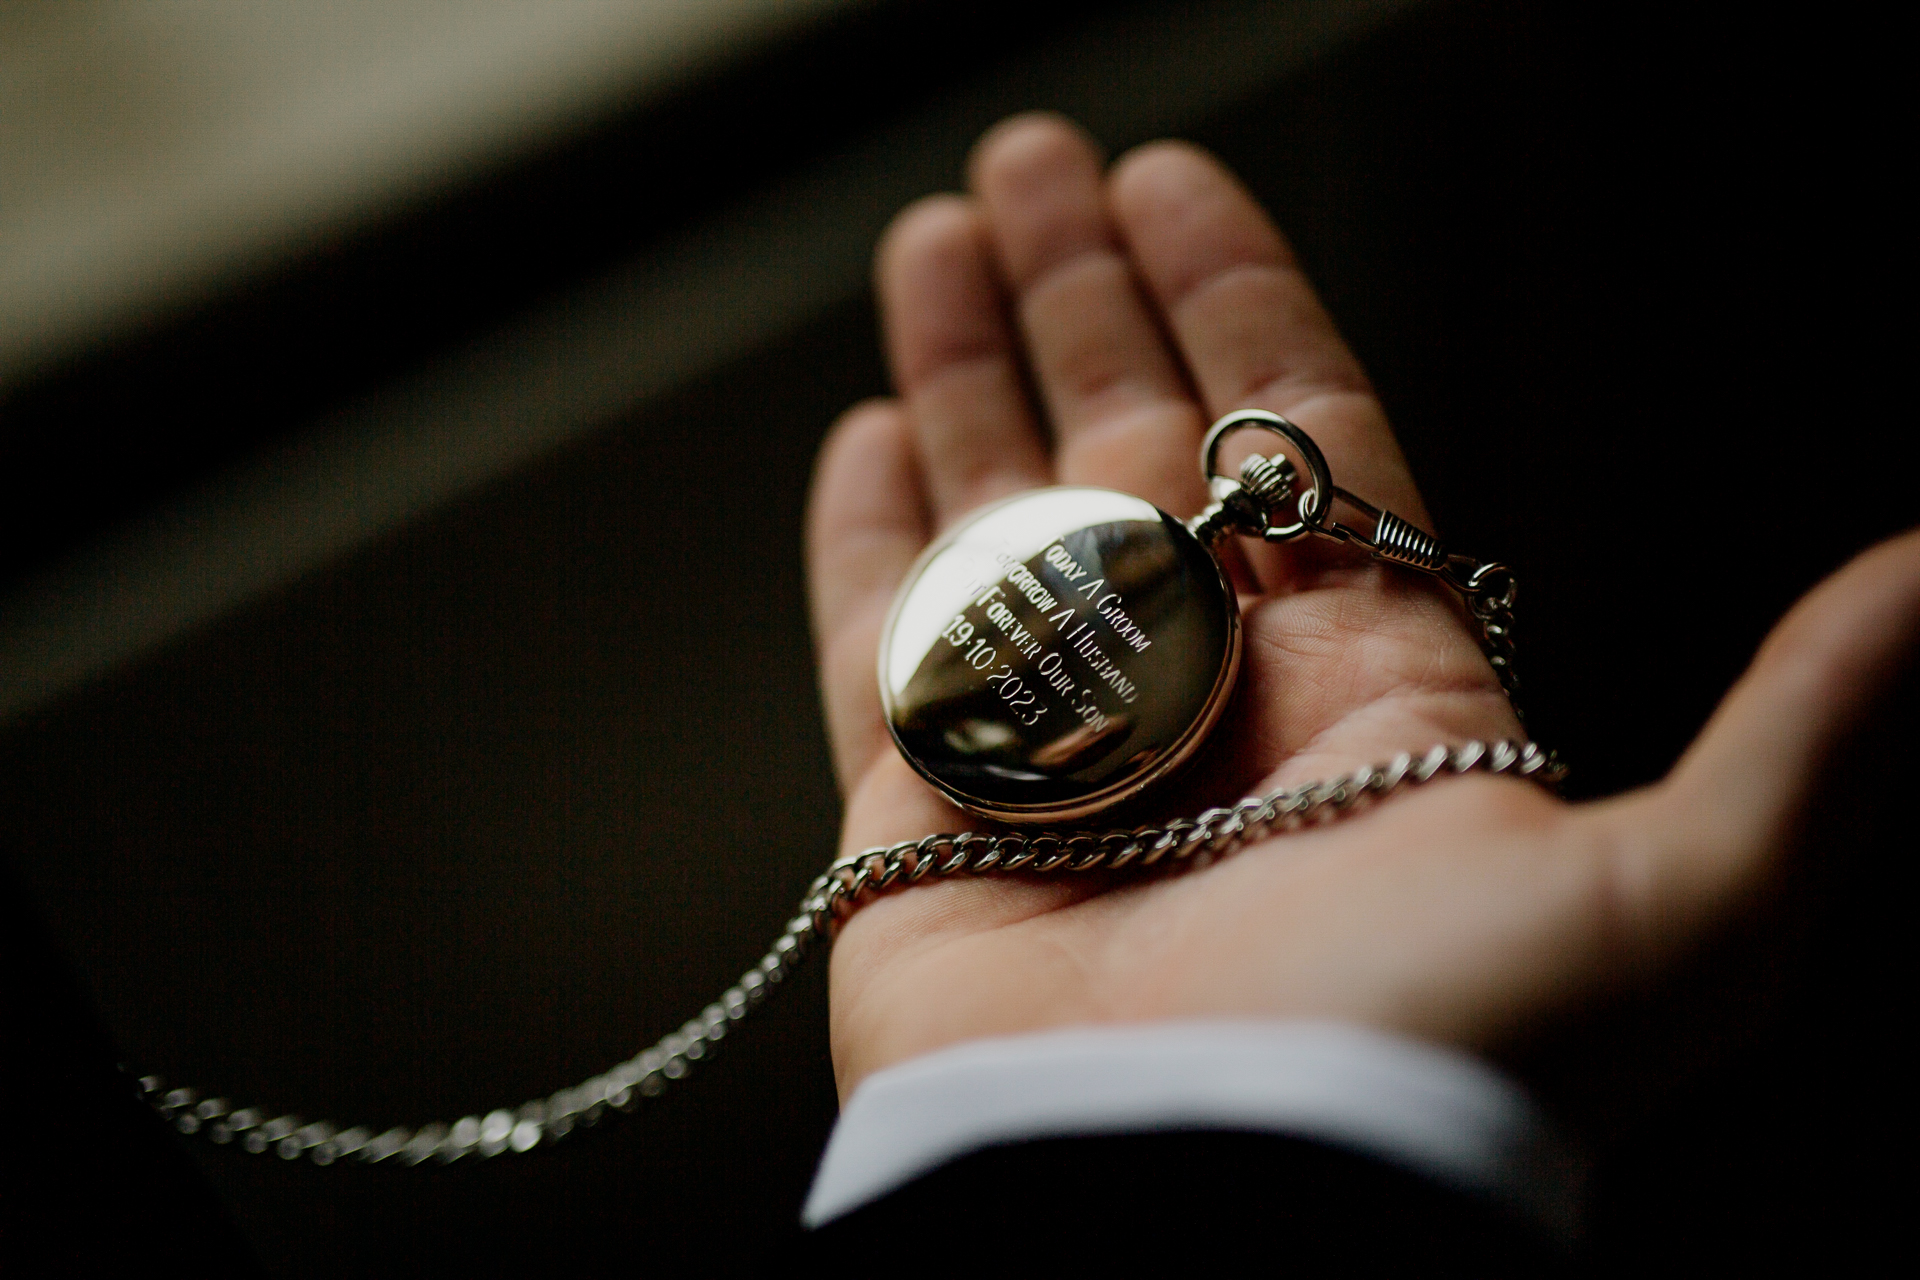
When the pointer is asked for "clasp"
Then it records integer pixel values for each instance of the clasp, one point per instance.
(1253, 505)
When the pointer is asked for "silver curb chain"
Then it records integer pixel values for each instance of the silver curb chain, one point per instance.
(1253, 506)
(830, 900)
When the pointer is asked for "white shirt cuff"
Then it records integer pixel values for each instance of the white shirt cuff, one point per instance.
(1434, 1111)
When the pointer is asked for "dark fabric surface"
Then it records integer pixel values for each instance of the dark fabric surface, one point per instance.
(91, 1183)
(1175, 1200)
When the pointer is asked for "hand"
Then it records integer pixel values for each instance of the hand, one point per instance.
(1143, 302)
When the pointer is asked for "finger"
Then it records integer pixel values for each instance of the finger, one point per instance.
(866, 521)
(954, 358)
(1246, 321)
(1119, 405)
(1715, 828)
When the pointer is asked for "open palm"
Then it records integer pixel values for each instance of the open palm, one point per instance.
(1065, 324)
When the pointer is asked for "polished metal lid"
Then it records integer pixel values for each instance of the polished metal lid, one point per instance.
(1057, 652)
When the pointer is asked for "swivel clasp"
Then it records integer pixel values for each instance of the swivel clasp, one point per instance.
(1265, 501)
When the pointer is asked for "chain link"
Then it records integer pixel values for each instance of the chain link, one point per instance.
(830, 900)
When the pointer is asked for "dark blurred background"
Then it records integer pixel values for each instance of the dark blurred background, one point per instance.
(406, 704)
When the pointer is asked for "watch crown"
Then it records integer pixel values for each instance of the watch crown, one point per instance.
(1268, 481)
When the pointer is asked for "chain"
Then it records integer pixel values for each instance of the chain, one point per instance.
(1489, 590)
(1254, 505)
(830, 900)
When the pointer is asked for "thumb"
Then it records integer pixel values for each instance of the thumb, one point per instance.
(1715, 827)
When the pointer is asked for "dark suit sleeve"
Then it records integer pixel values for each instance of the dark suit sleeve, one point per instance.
(1256, 1202)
